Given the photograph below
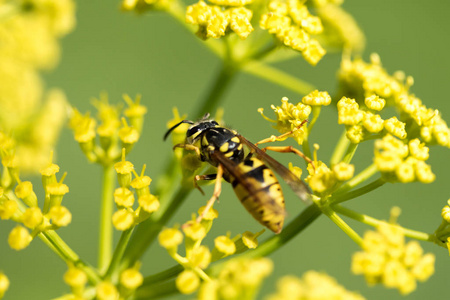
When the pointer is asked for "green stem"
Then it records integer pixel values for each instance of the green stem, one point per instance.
(118, 254)
(358, 192)
(342, 225)
(178, 11)
(163, 275)
(375, 222)
(316, 113)
(106, 209)
(147, 231)
(351, 149)
(154, 292)
(279, 77)
(221, 83)
(54, 242)
(358, 179)
(306, 217)
(340, 148)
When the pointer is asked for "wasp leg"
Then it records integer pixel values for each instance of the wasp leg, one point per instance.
(287, 149)
(275, 138)
(216, 194)
(189, 147)
(203, 177)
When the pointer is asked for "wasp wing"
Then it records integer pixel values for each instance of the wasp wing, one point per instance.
(297, 185)
(250, 184)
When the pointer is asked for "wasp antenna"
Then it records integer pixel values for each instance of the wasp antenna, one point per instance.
(175, 126)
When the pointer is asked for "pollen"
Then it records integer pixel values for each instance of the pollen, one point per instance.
(131, 279)
(317, 98)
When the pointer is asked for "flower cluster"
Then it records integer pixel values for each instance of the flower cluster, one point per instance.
(238, 279)
(386, 259)
(322, 179)
(112, 128)
(29, 31)
(214, 21)
(21, 205)
(373, 87)
(290, 117)
(126, 217)
(198, 256)
(312, 286)
(291, 22)
(402, 162)
(129, 280)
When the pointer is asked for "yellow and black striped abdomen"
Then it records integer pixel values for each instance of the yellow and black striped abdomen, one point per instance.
(260, 193)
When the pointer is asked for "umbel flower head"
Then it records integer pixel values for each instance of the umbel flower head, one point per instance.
(386, 259)
(30, 33)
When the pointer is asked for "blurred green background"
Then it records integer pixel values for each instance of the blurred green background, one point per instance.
(153, 55)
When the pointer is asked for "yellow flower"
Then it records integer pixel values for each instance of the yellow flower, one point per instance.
(107, 291)
(224, 245)
(292, 24)
(200, 257)
(343, 171)
(8, 209)
(19, 238)
(123, 219)
(374, 102)
(187, 282)
(317, 98)
(75, 277)
(289, 117)
(123, 197)
(32, 217)
(131, 279)
(170, 238)
(149, 203)
(395, 127)
(4, 284)
(388, 260)
(60, 216)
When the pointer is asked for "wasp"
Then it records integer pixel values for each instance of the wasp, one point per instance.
(250, 174)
